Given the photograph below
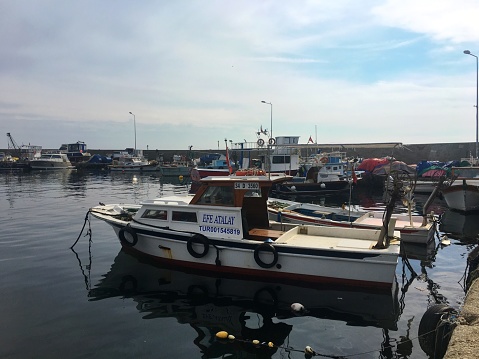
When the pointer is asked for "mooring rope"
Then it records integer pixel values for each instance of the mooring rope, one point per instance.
(87, 219)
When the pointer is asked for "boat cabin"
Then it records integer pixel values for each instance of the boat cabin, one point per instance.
(249, 193)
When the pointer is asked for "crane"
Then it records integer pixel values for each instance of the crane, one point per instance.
(12, 144)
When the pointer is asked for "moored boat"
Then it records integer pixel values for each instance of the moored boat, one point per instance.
(325, 173)
(132, 161)
(224, 227)
(180, 166)
(413, 228)
(51, 161)
(462, 192)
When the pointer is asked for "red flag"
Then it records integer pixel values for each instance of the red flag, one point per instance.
(310, 140)
(353, 175)
(228, 161)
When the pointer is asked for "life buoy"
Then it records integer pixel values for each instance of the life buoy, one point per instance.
(271, 141)
(435, 325)
(260, 142)
(324, 160)
(266, 248)
(201, 240)
(128, 236)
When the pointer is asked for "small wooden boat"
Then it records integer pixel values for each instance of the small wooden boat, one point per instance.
(225, 227)
(462, 193)
(413, 228)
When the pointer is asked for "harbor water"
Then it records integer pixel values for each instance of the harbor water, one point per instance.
(95, 301)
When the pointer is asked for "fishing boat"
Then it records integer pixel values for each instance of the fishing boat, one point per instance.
(413, 228)
(225, 227)
(418, 229)
(132, 161)
(462, 192)
(76, 152)
(51, 161)
(325, 173)
(180, 166)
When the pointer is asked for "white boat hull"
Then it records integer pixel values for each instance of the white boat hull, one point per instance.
(299, 258)
(462, 196)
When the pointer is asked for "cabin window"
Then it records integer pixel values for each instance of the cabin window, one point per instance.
(281, 159)
(179, 216)
(155, 214)
(218, 195)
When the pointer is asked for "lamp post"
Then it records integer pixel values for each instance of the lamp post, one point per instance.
(134, 126)
(467, 52)
(271, 124)
(270, 142)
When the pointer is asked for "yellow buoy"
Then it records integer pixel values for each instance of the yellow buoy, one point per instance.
(231, 337)
(270, 344)
(222, 335)
(256, 342)
(180, 177)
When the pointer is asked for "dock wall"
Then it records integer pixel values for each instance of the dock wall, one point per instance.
(408, 153)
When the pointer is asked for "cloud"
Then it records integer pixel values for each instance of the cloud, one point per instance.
(442, 20)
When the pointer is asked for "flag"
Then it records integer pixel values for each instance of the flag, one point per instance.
(353, 175)
(310, 140)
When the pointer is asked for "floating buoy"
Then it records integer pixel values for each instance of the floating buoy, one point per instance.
(231, 337)
(445, 241)
(298, 308)
(270, 344)
(180, 177)
(256, 342)
(309, 351)
(222, 335)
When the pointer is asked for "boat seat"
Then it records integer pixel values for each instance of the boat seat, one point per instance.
(260, 234)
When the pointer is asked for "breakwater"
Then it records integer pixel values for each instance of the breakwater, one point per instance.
(408, 153)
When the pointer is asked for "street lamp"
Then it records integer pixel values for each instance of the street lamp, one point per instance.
(134, 126)
(271, 126)
(467, 52)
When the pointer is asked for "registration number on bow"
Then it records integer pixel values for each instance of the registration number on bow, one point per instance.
(246, 185)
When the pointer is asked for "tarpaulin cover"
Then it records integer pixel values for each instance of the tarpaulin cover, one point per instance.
(369, 164)
(99, 159)
(435, 168)
(398, 166)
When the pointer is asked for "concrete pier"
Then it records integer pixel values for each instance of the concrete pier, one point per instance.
(464, 343)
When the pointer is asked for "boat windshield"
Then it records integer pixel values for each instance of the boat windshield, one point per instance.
(218, 195)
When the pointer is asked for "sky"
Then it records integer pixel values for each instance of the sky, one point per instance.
(195, 72)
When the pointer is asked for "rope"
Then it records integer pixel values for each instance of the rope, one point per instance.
(84, 224)
(446, 318)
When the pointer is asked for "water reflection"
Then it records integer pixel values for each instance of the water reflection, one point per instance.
(246, 309)
(461, 226)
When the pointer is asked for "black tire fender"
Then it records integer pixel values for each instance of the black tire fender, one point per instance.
(268, 248)
(434, 334)
(128, 236)
(198, 239)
